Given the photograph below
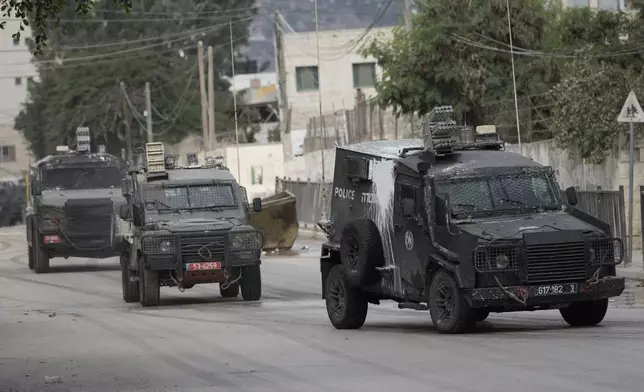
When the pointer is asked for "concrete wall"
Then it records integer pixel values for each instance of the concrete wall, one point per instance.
(15, 63)
(335, 73)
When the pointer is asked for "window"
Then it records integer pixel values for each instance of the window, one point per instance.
(306, 78)
(408, 199)
(30, 79)
(8, 154)
(256, 175)
(17, 81)
(608, 5)
(364, 75)
(205, 196)
(579, 3)
(16, 41)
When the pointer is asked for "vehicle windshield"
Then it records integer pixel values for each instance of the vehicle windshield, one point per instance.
(504, 192)
(82, 178)
(208, 196)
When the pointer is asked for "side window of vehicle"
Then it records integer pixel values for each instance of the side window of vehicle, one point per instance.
(407, 197)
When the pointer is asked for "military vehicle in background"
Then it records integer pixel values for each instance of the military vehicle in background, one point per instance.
(455, 225)
(187, 225)
(74, 201)
(12, 201)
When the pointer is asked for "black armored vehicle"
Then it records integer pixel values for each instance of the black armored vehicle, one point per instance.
(75, 197)
(456, 225)
(188, 225)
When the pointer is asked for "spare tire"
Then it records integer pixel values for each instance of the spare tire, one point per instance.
(361, 252)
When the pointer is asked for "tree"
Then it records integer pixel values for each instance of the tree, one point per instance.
(81, 70)
(40, 14)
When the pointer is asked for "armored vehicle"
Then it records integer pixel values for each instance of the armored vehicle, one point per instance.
(456, 225)
(188, 225)
(74, 202)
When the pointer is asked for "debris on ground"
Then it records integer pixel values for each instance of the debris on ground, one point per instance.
(52, 314)
(53, 379)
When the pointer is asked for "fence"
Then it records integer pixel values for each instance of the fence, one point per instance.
(602, 204)
(366, 121)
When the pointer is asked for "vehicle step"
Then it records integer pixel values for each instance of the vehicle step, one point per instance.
(412, 305)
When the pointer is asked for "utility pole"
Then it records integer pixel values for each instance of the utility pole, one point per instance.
(148, 110)
(202, 87)
(407, 15)
(126, 122)
(211, 99)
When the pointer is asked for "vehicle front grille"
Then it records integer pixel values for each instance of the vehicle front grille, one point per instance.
(203, 248)
(556, 262)
(89, 222)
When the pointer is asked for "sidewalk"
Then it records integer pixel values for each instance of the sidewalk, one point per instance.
(634, 270)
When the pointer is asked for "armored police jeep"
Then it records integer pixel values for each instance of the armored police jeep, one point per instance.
(189, 225)
(456, 225)
(74, 202)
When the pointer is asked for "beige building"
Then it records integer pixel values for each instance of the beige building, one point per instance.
(616, 5)
(342, 70)
(16, 71)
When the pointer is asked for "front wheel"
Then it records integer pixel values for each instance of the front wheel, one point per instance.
(149, 287)
(130, 286)
(30, 250)
(448, 307)
(231, 291)
(585, 314)
(251, 283)
(41, 260)
(346, 305)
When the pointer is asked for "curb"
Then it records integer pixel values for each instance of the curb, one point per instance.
(630, 274)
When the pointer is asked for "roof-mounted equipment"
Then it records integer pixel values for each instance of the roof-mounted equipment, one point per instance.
(83, 140)
(101, 148)
(155, 157)
(171, 161)
(193, 161)
(62, 150)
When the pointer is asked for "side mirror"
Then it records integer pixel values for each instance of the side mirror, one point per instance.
(408, 207)
(443, 210)
(125, 187)
(138, 214)
(571, 195)
(124, 212)
(36, 188)
(257, 204)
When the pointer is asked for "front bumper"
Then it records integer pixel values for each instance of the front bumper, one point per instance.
(57, 245)
(175, 263)
(497, 297)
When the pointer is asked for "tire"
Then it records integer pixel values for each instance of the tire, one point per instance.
(30, 251)
(585, 314)
(361, 252)
(346, 305)
(481, 314)
(131, 290)
(149, 287)
(461, 317)
(231, 291)
(251, 283)
(41, 261)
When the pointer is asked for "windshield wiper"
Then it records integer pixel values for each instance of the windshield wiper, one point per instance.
(514, 201)
(211, 208)
(160, 203)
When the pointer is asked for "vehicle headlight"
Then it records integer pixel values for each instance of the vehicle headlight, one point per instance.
(165, 246)
(502, 261)
(251, 240)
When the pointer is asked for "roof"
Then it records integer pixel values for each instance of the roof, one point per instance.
(79, 159)
(458, 162)
(197, 175)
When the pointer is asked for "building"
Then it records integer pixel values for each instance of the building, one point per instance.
(342, 71)
(16, 70)
(608, 5)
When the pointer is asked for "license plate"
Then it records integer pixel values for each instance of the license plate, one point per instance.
(208, 265)
(554, 289)
(52, 239)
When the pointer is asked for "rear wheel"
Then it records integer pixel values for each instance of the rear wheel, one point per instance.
(481, 314)
(149, 286)
(41, 260)
(346, 305)
(448, 307)
(130, 288)
(231, 291)
(585, 314)
(30, 250)
(251, 283)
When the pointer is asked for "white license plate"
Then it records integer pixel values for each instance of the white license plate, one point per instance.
(206, 266)
(554, 289)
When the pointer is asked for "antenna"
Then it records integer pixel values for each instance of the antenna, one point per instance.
(232, 61)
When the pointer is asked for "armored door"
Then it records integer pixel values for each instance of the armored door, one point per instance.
(409, 238)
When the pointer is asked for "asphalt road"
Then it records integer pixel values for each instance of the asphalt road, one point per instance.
(69, 330)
